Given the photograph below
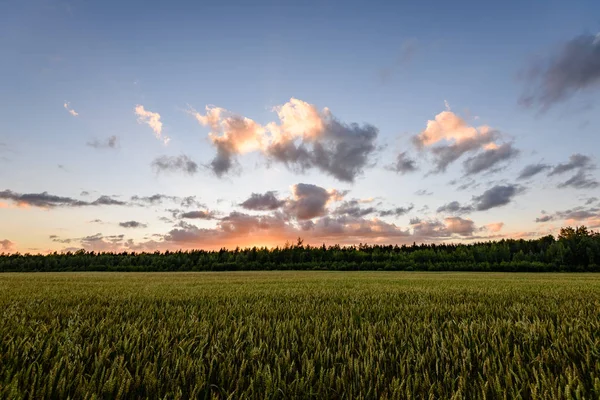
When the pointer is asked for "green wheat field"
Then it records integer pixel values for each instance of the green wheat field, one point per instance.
(280, 335)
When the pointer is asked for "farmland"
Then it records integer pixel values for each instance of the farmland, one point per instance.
(299, 335)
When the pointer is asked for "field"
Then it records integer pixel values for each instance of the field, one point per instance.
(299, 335)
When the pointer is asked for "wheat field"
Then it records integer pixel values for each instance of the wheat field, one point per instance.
(279, 335)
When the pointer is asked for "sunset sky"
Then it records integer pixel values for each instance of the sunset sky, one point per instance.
(174, 125)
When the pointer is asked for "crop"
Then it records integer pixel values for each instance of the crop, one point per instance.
(299, 335)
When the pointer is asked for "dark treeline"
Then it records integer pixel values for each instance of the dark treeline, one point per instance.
(575, 249)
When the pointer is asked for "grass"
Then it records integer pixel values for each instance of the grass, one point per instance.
(299, 335)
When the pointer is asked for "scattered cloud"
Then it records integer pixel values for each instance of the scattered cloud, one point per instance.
(304, 138)
(545, 218)
(576, 161)
(573, 68)
(309, 201)
(448, 137)
(397, 211)
(532, 170)
(71, 111)
(132, 224)
(180, 163)
(108, 143)
(404, 164)
(494, 227)
(423, 192)
(46, 200)
(200, 214)
(6, 245)
(497, 196)
(580, 180)
(263, 202)
(492, 156)
(151, 119)
(454, 207)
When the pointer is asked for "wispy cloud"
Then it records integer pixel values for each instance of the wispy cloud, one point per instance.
(180, 163)
(152, 119)
(71, 111)
(108, 143)
(574, 67)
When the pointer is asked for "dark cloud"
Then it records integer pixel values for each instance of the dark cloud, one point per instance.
(180, 163)
(404, 164)
(580, 180)
(591, 200)
(224, 160)
(132, 224)
(444, 155)
(454, 207)
(43, 200)
(532, 170)
(84, 193)
(46, 200)
(190, 201)
(108, 143)
(309, 201)
(263, 202)
(344, 150)
(154, 199)
(576, 214)
(107, 201)
(576, 161)
(197, 215)
(415, 221)
(489, 158)
(353, 208)
(497, 196)
(574, 67)
(95, 221)
(398, 211)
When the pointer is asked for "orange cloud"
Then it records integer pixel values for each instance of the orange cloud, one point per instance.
(152, 119)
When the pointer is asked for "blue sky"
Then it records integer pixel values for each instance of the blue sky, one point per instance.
(392, 66)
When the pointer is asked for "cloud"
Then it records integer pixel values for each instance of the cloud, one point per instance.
(494, 227)
(489, 158)
(497, 196)
(263, 202)
(6, 245)
(200, 214)
(180, 163)
(108, 143)
(448, 137)
(353, 208)
(46, 200)
(309, 201)
(84, 193)
(454, 207)
(67, 107)
(154, 199)
(132, 224)
(107, 201)
(407, 51)
(304, 138)
(574, 67)
(532, 170)
(398, 211)
(459, 226)
(435, 229)
(545, 218)
(152, 119)
(580, 180)
(576, 161)
(403, 164)
(423, 192)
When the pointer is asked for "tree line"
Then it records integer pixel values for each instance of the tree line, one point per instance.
(573, 250)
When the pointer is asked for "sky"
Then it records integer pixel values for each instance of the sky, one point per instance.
(144, 126)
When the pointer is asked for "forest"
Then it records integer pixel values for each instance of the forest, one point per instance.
(573, 250)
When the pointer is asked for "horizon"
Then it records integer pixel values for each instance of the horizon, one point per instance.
(188, 126)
